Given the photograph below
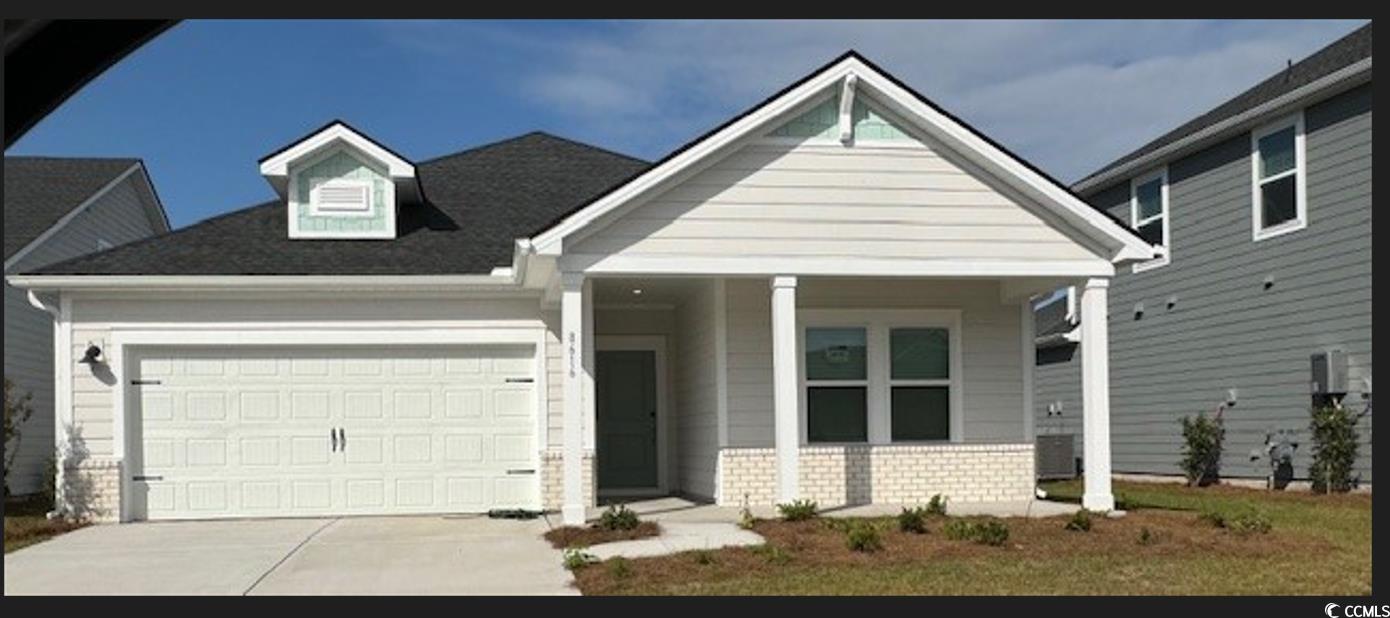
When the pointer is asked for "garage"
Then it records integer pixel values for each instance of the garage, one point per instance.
(269, 431)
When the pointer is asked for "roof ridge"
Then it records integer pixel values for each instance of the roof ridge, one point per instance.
(532, 133)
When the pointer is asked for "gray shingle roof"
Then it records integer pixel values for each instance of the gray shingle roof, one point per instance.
(41, 190)
(477, 203)
(1340, 54)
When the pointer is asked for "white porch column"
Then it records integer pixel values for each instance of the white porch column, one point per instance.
(786, 410)
(1095, 394)
(574, 326)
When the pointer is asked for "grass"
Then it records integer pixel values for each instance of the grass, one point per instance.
(1319, 545)
(26, 523)
(566, 537)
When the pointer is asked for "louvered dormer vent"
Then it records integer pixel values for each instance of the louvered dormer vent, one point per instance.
(342, 197)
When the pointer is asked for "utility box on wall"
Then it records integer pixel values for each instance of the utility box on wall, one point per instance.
(1056, 456)
(1329, 372)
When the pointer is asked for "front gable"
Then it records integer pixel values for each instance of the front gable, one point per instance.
(846, 165)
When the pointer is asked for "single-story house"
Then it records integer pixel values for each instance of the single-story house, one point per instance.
(825, 298)
(58, 208)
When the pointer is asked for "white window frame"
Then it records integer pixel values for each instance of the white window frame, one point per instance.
(1258, 230)
(877, 324)
(318, 209)
(1164, 250)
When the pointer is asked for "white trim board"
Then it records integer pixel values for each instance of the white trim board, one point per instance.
(1258, 231)
(278, 164)
(905, 104)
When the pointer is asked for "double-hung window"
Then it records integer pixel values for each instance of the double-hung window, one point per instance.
(880, 376)
(1148, 208)
(1278, 178)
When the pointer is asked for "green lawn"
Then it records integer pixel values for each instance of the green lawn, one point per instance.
(1319, 545)
(26, 523)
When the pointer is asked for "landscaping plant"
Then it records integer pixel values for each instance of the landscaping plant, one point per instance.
(863, 536)
(1202, 440)
(913, 520)
(576, 558)
(1080, 521)
(17, 410)
(1334, 435)
(618, 517)
(937, 505)
(619, 567)
(988, 532)
(799, 510)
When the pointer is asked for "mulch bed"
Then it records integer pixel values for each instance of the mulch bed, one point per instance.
(576, 536)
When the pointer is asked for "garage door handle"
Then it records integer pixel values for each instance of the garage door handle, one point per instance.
(520, 380)
(342, 440)
(146, 478)
(145, 382)
(333, 439)
(521, 471)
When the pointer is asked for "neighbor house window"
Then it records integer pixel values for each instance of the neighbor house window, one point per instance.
(837, 384)
(919, 383)
(880, 375)
(1148, 208)
(1278, 178)
(341, 197)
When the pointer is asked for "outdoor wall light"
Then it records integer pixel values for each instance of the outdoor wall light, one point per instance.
(92, 356)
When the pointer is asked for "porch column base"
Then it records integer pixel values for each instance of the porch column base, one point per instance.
(573, 514)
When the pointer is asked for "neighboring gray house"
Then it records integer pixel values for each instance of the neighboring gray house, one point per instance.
(56, 209)
(1264, 207)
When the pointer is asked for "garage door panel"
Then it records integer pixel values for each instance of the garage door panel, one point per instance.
(247, 432)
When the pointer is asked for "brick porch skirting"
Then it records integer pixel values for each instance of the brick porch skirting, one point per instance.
(887, 474)
(553, 479)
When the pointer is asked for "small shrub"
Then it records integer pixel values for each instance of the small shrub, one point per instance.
(745, 515)
(576, 558)
(18, 409)
(913, 520)
(1212, 517)
(619, 517)
(1334, 435)
(863, 536)
(704, 557)
(619, 567)
(1145, 536)
(937, 505)
(1201, 455)
(983, 532)
(773, 554)
(1249, 522)
(1080, 521)
(837, 524)
(800, 510)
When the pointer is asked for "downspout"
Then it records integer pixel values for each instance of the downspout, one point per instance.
(60, 399)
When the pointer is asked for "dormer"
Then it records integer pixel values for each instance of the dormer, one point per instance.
(338, 183)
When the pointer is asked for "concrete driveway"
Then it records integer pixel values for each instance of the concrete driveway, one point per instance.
(347, 556)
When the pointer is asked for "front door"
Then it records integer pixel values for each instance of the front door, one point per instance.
(626, 398)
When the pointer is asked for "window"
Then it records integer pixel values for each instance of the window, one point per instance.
(1148, 208)
(836, 385)
(919, 383)
(340, 197)
(1278, 177)
(880, 376)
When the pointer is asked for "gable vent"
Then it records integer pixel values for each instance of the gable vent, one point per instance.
(342, 197)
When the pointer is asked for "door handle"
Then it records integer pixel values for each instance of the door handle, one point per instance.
(333, 438)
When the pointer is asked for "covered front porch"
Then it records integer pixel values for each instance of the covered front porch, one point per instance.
(752, 391)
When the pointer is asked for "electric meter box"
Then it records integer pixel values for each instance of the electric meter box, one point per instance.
(1329, 372)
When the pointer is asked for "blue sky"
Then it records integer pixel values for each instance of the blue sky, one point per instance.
(203, 102)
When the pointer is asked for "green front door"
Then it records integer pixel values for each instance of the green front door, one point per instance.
(625, 385)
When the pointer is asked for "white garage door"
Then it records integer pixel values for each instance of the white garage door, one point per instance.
(260, 432)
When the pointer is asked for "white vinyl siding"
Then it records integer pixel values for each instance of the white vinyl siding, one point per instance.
(118, 217)
(991, 354)
(772, 200)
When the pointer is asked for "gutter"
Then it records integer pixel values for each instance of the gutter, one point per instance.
(501, 281)
(1337, 81)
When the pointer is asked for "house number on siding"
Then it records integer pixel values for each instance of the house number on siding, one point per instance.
(571, 348)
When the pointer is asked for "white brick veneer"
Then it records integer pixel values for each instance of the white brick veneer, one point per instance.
(553, 479)
(92, 489)
(889, 474)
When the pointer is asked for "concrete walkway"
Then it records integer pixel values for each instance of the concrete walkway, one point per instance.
(350, 556)
(676, 537)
